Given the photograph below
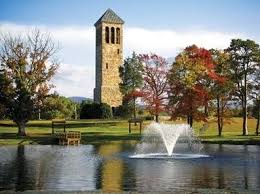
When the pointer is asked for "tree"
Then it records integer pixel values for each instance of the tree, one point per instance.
(222, 88)
(155, 88)
(188, 80)
(133, 96)
(131, 75)
(256, 114)
(3, 113)
(55, 106)
(26, 66)
(41, 96)
(255, 95)
(3, 98)
(244, 57)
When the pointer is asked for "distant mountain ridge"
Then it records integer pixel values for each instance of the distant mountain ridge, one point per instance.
(79, 99)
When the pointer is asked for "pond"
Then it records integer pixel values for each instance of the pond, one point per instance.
(107, 167)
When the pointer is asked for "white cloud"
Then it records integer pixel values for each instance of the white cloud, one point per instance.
(76, 74)
(168, 42)
(74, 80)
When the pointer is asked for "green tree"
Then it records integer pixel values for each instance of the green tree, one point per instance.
(26, 65)
(244, 58)
(222, 89)
(131, 75)
(255, 95)
(3, 113)
(256, 113)
(55, 106)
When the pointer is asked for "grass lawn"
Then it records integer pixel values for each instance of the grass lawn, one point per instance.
(94, 131)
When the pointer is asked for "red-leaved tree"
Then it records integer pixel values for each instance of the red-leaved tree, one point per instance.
(189, 79)
(155, 86)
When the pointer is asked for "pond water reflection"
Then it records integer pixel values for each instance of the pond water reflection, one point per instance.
(107, 167)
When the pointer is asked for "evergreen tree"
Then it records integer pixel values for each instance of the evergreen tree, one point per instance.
(132, 80)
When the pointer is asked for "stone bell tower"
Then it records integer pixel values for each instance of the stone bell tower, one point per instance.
(109, 56)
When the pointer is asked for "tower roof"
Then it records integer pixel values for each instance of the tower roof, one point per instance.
(110, 17)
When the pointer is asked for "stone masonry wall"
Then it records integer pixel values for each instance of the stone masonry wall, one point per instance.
(108, 59)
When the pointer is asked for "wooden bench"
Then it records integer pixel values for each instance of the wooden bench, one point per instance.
(135, 120)
(69, 138)
(61, 123)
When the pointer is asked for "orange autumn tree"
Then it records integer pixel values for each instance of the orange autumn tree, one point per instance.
(155, 87)
(189, 81)
(222, 90)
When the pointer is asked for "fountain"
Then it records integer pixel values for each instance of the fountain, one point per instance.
(161, 140)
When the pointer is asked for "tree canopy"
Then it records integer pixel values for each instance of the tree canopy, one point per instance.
(155, 88)
(188, 78)
(244, 60)
(27, 66)
(131, 75)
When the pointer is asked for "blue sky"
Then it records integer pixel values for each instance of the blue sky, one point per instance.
(229, 15)
(208, 23)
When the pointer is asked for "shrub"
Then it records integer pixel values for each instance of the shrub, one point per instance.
(95, 111)
(149, 118)
(106, 111)
(122, 111)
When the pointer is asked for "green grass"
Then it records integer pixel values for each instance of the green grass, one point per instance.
(96, 131)
(39, 132)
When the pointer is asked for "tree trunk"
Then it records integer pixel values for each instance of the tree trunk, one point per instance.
(218, 115)
(191, 121)
(21, 128)
(245, 131)
(39, 114)
(135, 111)
(257, 122)
(157, 118)
(221, 126)
(206, 109)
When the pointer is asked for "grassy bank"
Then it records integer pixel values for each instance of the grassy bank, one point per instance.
(39, 132)
(93, 131)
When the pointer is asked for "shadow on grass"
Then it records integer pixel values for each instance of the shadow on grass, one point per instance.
(68, 125)
(43, 139)
(86, 138)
